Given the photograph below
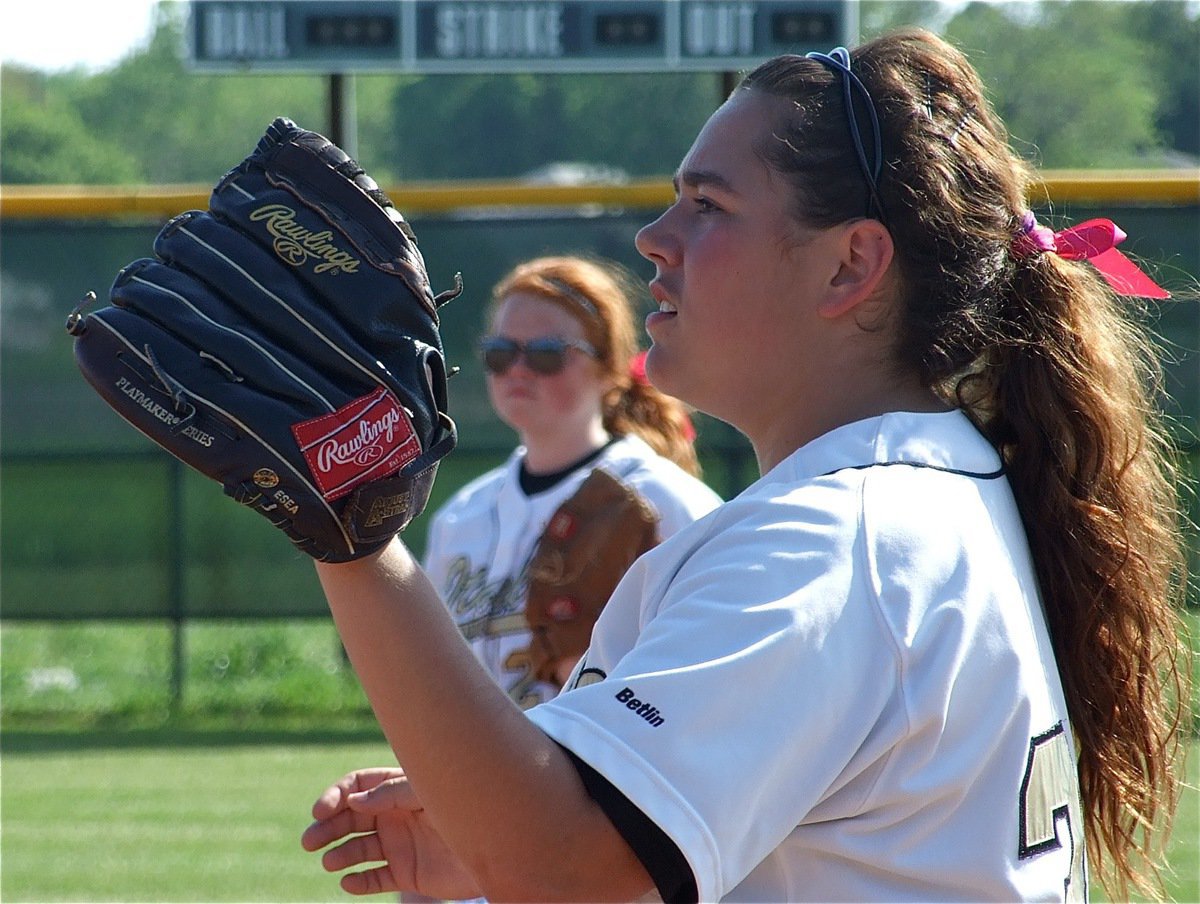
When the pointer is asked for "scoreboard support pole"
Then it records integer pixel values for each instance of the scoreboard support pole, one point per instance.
(343, 112)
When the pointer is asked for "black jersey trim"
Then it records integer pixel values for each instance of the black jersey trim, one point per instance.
(975, 475)
(660, 855)
(532, 484)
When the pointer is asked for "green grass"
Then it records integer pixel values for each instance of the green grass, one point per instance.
(122, 675)
(169, 816)
(1184, 855)
(110, 790)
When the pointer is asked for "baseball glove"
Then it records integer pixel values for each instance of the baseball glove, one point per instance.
(285, 343)
(588, 544)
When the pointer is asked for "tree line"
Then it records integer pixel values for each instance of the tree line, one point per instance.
(1081, 84)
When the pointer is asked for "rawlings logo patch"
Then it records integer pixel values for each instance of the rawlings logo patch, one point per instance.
(295, 244)
(366, 439)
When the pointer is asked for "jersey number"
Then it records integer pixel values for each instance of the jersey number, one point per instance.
(1050, 813)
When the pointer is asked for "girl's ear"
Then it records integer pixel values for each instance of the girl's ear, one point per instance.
(866, 255)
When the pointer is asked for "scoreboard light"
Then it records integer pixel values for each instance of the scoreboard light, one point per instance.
(626, 29)
(350, 33)
(804, 27)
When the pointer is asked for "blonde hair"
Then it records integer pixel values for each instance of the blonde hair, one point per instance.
(1060, 375)
(599, 295)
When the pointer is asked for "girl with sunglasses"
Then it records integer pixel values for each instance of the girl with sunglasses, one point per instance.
(932, 654)
(558, 358)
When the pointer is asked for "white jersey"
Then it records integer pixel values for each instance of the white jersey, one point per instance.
(481, 540)
(839, 686)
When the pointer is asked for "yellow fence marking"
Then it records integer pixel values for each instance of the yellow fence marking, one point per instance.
(89, 202)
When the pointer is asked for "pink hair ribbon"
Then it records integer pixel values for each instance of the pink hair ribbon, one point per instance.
(1095, 241)
(637, 369)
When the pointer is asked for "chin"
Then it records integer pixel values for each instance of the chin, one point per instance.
(675, 381)
(512, 416)
(661, 374)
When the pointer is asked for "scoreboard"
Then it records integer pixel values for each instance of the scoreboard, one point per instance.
(476, 36)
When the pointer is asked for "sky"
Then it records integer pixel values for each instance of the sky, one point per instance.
(61, 34)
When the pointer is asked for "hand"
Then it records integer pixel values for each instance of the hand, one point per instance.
(379, 815)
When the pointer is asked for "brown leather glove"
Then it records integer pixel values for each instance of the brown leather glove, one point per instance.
(588, 544)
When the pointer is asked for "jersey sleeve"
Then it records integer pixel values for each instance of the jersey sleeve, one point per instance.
(677, 498)
(654, 848)
(724, 660)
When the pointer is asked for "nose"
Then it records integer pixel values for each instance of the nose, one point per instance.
(652, 241)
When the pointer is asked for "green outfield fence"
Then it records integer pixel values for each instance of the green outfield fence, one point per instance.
(96, 523)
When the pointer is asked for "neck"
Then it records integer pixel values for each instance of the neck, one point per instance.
(550, 453)
(780, 437)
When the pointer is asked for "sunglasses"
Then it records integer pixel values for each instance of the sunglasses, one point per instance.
(546, 355)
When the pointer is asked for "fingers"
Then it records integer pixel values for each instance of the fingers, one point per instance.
(335, 797)
(358, 850)
(359, 814)
(369, 882)
(395, 793)
(326, 831)
(351, 805)
(355, 852)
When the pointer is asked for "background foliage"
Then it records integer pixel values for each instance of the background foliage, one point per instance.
(1081, 84)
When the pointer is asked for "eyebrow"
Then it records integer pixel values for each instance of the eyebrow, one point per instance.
(696, 178)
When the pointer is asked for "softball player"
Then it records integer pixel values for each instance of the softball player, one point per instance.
(923, 657)
(557, 358)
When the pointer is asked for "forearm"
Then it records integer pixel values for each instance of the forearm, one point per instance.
(503, 795)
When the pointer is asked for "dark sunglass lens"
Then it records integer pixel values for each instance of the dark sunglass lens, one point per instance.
(499, 355)
(546, 356)
(545, 362)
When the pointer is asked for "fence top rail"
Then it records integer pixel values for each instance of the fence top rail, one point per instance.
(75, 202)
